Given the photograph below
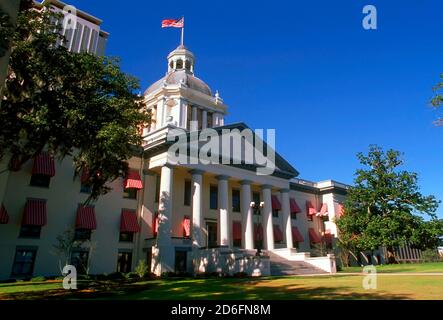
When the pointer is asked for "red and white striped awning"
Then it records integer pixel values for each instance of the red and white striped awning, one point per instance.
(186, 226)
(341, 210)
(258, 231)
(35, 213)
(296, 235)
(314, 237)
(236, 230)
(310, 209)
(44, 164)
(4, 217)
(276, 205)
(128, 221)
(323, 211)
(278, 234)
(294, 206)
(85, 218)
(133, 180)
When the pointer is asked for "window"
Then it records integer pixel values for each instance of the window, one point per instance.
(130, 193)
(310, 217)
(235, 200)
(296, 244)
(153, 125)
(275, 213)
(180, 260)
(149, 258)
(256, 200)
(187, 195)
(179, 64)
(79, 259)
(157, 188)
(213, 197)
(40, 180)
(293, 216)
(124, 262)
(82, 234)
(209, 119)
(24, 262)
(126, 237)
(84, 188)
(171, 64)
(28, 231)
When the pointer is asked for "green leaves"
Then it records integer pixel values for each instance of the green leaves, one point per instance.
(381, 208)
(71, 103)
(437, 99)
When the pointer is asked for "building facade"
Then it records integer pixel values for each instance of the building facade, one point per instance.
(178, 217)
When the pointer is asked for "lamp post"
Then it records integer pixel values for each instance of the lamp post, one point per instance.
(256, 207)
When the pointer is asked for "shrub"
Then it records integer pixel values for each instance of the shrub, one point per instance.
(8, 281)
(141, 269)
(131, 275)
(115, 276)
(38, 279)
(240, 275)
(430, 255)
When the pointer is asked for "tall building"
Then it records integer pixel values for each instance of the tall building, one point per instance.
(178, 217)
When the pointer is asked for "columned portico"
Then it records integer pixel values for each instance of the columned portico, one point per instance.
(267, 218)
(246, 211)
(164, 255)
(223, 206)
(197, 214)
(287, 227)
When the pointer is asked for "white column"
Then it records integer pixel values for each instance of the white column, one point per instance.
(204, 119)
(246, 211)
(197, 214)
(214, 120)
(286, 212)
(268, 227)
(164, 251)
(194, 125)
(223, 210)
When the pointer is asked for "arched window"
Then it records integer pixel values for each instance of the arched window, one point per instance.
(171, 64)
(179, 64)
(188, 65)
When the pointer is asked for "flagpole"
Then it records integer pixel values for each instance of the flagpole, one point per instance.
(183, 32)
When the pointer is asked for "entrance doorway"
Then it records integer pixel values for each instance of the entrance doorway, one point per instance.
(211, 227)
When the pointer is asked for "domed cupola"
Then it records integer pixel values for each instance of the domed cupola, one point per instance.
(181, 59)
(181, 99)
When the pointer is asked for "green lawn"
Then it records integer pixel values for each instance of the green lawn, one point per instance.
(318, 287)
(410, 267)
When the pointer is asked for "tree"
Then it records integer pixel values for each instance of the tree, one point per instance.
(64, 246)
(72, 104)
(437, 99)
(381, 207)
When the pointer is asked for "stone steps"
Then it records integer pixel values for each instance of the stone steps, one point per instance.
(281, 266)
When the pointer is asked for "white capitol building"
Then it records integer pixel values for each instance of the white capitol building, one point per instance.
(191, 218)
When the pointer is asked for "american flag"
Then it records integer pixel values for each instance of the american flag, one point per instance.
(174, 23)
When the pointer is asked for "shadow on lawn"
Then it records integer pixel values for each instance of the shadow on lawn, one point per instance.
(206, 289)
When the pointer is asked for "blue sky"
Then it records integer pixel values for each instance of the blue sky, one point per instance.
(307, 69)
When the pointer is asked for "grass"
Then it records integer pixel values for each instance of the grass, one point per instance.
(281, 288)
(410, 267)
